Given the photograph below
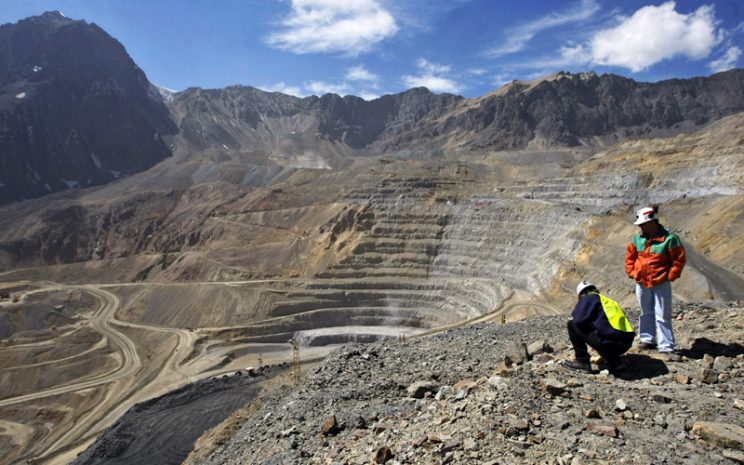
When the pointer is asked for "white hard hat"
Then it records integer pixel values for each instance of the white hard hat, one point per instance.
(583, 285)
(644, 215)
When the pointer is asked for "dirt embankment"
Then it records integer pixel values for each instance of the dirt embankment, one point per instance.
(163, 430)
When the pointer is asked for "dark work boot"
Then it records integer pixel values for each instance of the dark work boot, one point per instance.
(578, 365)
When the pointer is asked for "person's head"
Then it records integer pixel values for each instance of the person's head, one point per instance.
(647, 219)
(584, 288)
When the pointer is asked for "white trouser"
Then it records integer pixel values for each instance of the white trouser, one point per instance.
(655, 325)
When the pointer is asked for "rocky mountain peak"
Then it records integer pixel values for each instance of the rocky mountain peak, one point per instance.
(75, 110)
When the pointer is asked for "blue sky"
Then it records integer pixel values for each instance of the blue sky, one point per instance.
(374, 47)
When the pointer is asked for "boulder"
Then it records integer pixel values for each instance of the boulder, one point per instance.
(720, 434)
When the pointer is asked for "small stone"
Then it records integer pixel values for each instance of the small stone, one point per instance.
(738, 403)
(444, 392)
(470, 444)
(682, 378)
(420, 441)
(592, 413)
(538, 347)
(419, 389)
(662, 399)
(381, 428)
(503, 370)
(660, 420)
(360, 423)
(708, 361)
(552, 386)
(516, 354)
(330, 426)
(452, 445)
(722, 363)
(721, 434)
(620, 405)
(383, 454)
(628, 415)
(604, 429)
(498, 382)
(519, 423)
(707, 375)
(734, 455)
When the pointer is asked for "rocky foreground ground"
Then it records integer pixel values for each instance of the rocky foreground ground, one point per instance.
(492, 394)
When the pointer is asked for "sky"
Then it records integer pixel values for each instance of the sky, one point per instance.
(369, 48)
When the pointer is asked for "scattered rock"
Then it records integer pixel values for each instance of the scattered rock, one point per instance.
(444, 392)
(538, 347)
(498, 382)
(330, 426)
(383, 455)
(722, 363)
(620, 405)
(552, 386)
(720, 434)
(604, 429)
(734, 455)
(516, 354)
(738, 403)
(452, 445)
(662, 399)
(682, 378)
(419, 389)
(707, 375)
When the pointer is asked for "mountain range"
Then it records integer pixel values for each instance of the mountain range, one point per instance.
(76, 111)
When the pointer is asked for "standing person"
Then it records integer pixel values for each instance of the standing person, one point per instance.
(655, 257)
(600, 323)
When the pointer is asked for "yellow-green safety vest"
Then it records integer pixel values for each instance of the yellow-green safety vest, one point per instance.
(615, 314)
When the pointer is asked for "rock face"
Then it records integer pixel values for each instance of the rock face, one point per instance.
(75, 110)
(561, 110)
(255, 126)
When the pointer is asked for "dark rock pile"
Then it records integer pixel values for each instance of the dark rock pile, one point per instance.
(491, 394)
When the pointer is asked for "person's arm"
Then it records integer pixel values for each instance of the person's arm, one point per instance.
(631, 255)
(585, 313)
(677, 254)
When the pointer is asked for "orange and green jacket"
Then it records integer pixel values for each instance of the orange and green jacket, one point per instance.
(653, 261)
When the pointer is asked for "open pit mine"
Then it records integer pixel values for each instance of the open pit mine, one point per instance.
(233, 230)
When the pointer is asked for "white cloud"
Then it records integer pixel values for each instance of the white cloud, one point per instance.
(284, 89)
(521, 35)
(431, 68)
(727, 61)
(348, 27)
(322, 88)
(360, 73)
(431, 78)
(653, 34)
(477, 71)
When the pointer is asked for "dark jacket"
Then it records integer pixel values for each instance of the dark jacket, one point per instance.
(588, 316)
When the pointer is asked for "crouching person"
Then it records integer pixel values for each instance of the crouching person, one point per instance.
(600, 323)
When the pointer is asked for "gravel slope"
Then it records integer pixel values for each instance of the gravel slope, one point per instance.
(480, 411)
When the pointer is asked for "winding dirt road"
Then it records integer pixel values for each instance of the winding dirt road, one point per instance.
(100, 322)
